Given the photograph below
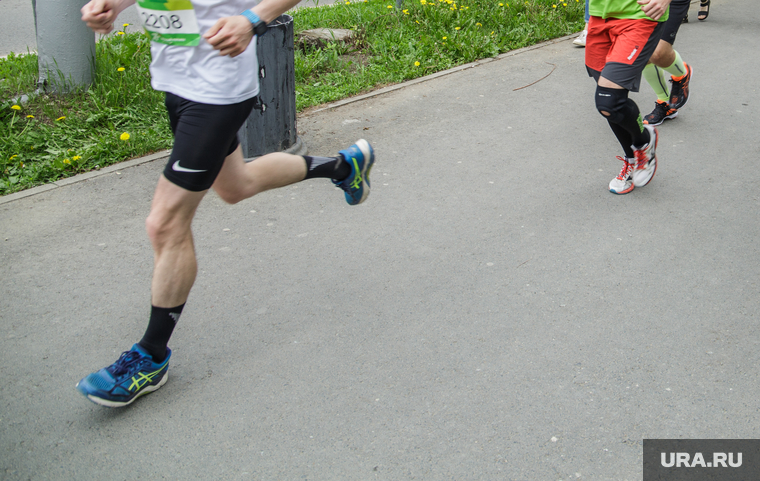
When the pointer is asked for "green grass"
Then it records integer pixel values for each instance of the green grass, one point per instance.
(50, 137)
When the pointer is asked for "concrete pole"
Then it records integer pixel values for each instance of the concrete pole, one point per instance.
(65, 46)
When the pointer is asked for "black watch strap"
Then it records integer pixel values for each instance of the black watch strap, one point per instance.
(259, 26)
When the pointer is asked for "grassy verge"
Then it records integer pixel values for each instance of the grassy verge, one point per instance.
(120, 117)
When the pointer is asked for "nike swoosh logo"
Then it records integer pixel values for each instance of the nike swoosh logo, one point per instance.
(178, 168)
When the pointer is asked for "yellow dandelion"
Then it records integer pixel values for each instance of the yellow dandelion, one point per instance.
(554, 6)
(417, 21)
(492, 33)
(76, 157)
(124, 136)
(119, 33)
(406, 12)
(564, 5)
(13, 157)
(125, 25)
(390, 6)
(456, 28)
(501, 4)
(30, 116)
(60, 118)
(478, 24)
(416, 64)
(423, 2)
(444, 38)
(67, 161)
(15, 107)
(120, 69)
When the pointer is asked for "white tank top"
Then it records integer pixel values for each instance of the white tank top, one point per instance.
(197, 72)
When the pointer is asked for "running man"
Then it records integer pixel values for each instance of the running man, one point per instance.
(204, 58)
(622, 36)
(666, 59)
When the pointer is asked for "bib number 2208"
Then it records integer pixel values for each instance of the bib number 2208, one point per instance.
(171, 22)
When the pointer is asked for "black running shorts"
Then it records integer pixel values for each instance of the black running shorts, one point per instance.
(204, 135)
(678, 10)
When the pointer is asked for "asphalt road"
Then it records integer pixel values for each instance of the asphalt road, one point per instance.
(491, 312)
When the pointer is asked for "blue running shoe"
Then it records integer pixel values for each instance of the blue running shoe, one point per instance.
(361, 157)
(131, 376)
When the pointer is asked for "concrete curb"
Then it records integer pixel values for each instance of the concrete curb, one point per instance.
(82, 177)
(299, 148)
(436, 75)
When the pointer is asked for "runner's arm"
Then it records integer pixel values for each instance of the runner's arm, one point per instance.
(100, 15)
(231, 35)
(654, 9)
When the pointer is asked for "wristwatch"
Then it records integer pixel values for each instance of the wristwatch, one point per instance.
(259, 26)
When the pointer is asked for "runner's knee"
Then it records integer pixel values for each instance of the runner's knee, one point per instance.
(165, 229)
(231, 193)
(612, 103)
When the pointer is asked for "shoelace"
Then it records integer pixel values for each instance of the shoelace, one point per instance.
(664, 108)
(124, 363)
(626, 168)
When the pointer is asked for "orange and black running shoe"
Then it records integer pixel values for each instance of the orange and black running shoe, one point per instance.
(661, 112)
(679, 92)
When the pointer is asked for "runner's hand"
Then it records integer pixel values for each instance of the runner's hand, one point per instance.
(654, 9)
(99, 15)
(230, 35)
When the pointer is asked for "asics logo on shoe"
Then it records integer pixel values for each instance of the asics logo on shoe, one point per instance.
(357, 182)
(142, 379)
(178, 168)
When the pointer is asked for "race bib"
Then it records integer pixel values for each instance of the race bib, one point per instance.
(171, 22)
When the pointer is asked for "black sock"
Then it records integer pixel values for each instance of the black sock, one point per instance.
(326, 167)
(160, 328)
(623, 112)
(624, 138)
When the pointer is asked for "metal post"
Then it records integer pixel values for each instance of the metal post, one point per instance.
(65, 45)
(271, 127)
